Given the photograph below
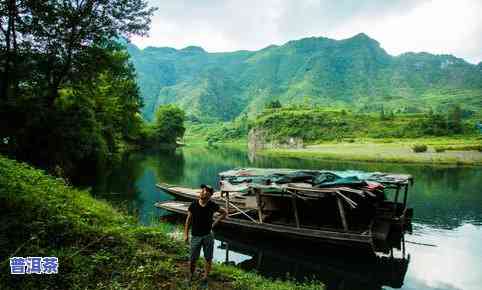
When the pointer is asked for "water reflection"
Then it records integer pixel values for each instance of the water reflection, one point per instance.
(447, 204)
(169, 165)
(307, 261)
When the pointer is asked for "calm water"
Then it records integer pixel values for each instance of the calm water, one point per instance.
(447, 206)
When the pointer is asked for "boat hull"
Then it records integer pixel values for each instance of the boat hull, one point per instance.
(339, 238)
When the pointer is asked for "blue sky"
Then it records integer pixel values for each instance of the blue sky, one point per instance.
(436, 26)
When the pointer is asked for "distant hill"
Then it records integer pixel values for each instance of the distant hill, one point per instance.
(355, 73)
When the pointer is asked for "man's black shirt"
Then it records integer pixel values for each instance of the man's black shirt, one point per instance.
(202, 217)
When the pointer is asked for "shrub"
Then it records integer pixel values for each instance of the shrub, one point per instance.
(459, 148)
(439, 149)
(417, 148)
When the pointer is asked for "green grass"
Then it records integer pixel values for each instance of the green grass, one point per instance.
(394, 152)
(251, 281)
(98, 247)
(459, 141)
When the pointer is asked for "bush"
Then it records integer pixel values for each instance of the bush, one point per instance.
(475, 148)
(459, 148)
(419, 148)
(439, 149)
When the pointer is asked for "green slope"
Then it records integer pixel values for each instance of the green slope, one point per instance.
(354, 72)
(97, 246)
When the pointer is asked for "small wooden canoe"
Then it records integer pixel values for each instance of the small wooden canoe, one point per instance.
(239, 199)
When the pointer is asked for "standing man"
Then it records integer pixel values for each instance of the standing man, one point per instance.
(200, 215)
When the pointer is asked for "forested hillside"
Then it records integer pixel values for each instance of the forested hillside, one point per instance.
(354, 72)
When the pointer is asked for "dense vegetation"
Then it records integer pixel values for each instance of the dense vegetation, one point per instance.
(97, 247)
(236, 130)
(319, 124)
(165, 131)
(68, 92)
(354, 73)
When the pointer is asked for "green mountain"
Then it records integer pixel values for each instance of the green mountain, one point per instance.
(355, 73)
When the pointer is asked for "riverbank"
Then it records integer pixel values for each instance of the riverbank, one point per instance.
(98, 247)
(440, 151)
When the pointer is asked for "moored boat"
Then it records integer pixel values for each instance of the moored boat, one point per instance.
(311, 204)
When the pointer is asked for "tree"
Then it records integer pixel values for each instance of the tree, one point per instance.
(454, 119)
(169, 124)
(62, 38)
(382, 114)
(93, 121)
(433, 124)
(307, 102)
(391, 116)
(61, 61)
(275, 104)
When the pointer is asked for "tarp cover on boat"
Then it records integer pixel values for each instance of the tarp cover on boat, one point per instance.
(317, 178)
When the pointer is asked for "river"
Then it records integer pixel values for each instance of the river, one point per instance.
(444, 251)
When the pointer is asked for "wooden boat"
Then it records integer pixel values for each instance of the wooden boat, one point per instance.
(354, 238)
(358, 216)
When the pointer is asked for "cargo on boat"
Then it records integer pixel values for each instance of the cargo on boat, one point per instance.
(342, 208)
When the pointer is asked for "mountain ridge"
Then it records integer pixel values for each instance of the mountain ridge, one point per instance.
(355, 73)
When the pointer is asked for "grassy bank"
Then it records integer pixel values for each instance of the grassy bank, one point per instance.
(440, 151)
(98, 247)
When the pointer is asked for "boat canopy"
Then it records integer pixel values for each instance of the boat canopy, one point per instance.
(314, 178)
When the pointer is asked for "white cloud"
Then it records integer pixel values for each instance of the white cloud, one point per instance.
(436, 26)
(442, 26)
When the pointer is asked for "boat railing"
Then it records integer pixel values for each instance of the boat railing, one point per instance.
(295, 193)
(225, 196)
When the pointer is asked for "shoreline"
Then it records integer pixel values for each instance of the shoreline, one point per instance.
(98, 246)
(378, 152)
